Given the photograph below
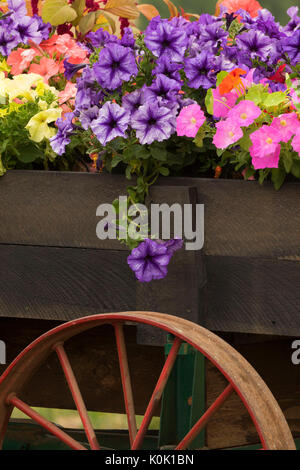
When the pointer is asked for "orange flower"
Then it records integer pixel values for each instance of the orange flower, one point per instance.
(47, 68)
(68, 93)
(231, 81)
(251, 6)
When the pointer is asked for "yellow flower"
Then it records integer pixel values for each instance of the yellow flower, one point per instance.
(38, 125)
(4, 67)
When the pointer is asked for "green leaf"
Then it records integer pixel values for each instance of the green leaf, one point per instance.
(128, 172)
(295, 170)
(200, 136)
(221, 76)
(278, 177)
(159, 153)
(164, 171)
(58, 12)
(116, 160)
(287, 160)
(29, 153)
(79, 6)
(209, 101)
(274, 99)
(2, 169)
(257, 94)
(245, 142)
(87, 23)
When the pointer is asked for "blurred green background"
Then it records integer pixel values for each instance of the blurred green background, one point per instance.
(277, 7)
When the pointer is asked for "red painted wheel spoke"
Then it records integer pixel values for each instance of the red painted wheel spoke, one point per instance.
(77, 397)
(64, 437)
(202, 422)
(157, 394)
(126, 382)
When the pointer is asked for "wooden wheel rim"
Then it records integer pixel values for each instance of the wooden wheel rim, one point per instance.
(264, 410)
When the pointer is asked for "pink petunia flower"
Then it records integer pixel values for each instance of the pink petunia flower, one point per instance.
(245, 113)
(286, 125)
(20, 59)
(223, 103)
(265, 150)
(296, 142)
(267, 161)
(68, 93)
(47, 68)
(189, 121)
(228, 132)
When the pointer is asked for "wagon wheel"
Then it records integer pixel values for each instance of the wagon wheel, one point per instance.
(242, 379)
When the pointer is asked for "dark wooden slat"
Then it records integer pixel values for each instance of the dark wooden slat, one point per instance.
(63, 283)
(253, 295)
(247, 219)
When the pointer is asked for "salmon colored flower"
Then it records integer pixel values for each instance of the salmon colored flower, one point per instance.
(251, 6)
(20, 59)
(47, 68)
(232, 81)
(68, 93)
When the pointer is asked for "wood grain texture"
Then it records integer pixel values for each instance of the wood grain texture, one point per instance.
(63, 283)
(252, 295)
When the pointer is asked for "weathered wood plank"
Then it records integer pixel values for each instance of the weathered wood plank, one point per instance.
(63, 283)
(247, 219)
(252, 295)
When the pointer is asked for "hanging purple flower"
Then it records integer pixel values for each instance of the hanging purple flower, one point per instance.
(112, 122)
(291, 46)
(133, 101)
(71, 69)
(62, 138)
(173, 245)
(163, 38)
(255, 44)
(149, 260)
(163, 88)
(199, 70)
(170, 69)
(153, 123)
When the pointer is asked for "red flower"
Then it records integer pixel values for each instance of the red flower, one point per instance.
(251, 6)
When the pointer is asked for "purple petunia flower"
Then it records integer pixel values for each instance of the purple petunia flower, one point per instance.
(255, 44)
(87, 116)
(170, 69)
(149, 260)
(28, 29)
(153, 123)
(164, 38)
(199, 70)
(213, 36)
(18, 7)
(127, 39)
(294, 23)
(163, 88)
(43, 28)
(71, 69)
(116, 65)
(62, 138)
(112, 122)
(9, 39)
(87, 94)
(173, 245)
(133, 101)
(101, 37)
(291, 46)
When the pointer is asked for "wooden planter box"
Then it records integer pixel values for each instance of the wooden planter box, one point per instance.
(52, 265)
(53, 268)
